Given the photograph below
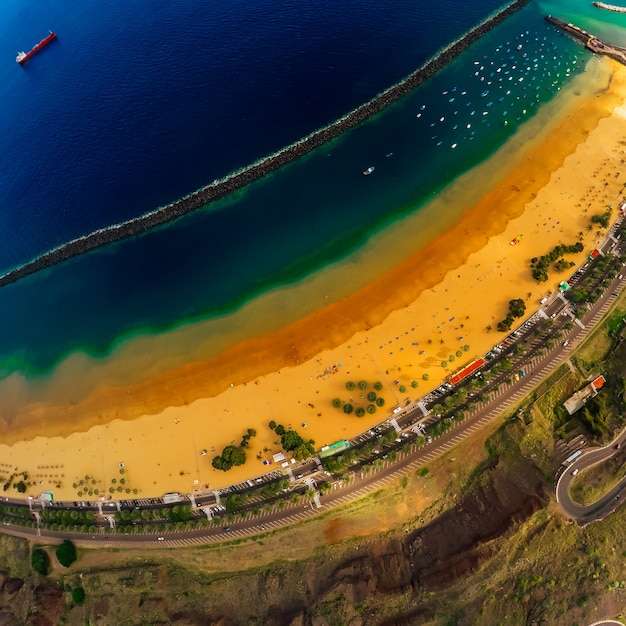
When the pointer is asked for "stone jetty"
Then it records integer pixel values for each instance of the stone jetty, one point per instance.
(590, 42)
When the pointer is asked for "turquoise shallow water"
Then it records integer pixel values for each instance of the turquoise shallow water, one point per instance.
(298, 220)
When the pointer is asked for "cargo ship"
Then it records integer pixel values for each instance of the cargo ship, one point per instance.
(22, 57)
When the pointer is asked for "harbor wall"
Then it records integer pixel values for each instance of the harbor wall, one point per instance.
(243, 177)
(609, 7)
(591, 42)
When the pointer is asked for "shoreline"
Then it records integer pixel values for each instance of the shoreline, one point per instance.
(264, 166)
(442, 292)
(207, 336)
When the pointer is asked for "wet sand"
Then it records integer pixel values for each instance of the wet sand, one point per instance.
(398, 328)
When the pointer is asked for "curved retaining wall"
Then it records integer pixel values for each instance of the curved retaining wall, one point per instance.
(243, 177)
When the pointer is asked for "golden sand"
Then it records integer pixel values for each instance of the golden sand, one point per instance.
(398, 328)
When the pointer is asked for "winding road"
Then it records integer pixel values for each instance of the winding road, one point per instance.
(585, 514)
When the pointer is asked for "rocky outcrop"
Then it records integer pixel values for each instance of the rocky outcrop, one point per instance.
(455, 545)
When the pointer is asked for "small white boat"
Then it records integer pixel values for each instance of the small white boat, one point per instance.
(369, 170)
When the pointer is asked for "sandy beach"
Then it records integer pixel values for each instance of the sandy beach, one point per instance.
(434, 305)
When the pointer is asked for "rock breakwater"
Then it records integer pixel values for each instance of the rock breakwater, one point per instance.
(243, 177)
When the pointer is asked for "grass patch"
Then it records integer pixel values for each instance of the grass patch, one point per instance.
(593, 483)
(596, 347)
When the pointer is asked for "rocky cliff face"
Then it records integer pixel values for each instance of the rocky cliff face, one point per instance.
(29, 602)
(381, 583)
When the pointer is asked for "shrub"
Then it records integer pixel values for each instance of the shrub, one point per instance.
(350, 386)
(360, 412)
(362, 385)
(337, 403)
(66, 553)
(348, 408)
(380, 401)
(371, 408)
(378, 385)
(414, 384)
(371, 396)
(402, 389)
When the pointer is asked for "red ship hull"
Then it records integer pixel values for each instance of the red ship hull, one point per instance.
(22, 58)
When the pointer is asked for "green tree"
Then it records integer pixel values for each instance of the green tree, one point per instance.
(350, 386)
(362, 385)
(371, 396)
(360, 412)
(40, 561)
(231, 456)
(505, 324)
(66, 553)
(337, 403)
(78, 595)
(348, 408)
(517, 307)
(291, 439)
(378, 385)
(304, 451)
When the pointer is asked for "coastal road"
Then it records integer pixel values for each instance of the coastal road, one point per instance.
(607, 503)
(363, 483)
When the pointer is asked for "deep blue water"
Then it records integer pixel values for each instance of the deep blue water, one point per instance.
(137, 104)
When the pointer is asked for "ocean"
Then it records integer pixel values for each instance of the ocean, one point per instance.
(135, 105)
